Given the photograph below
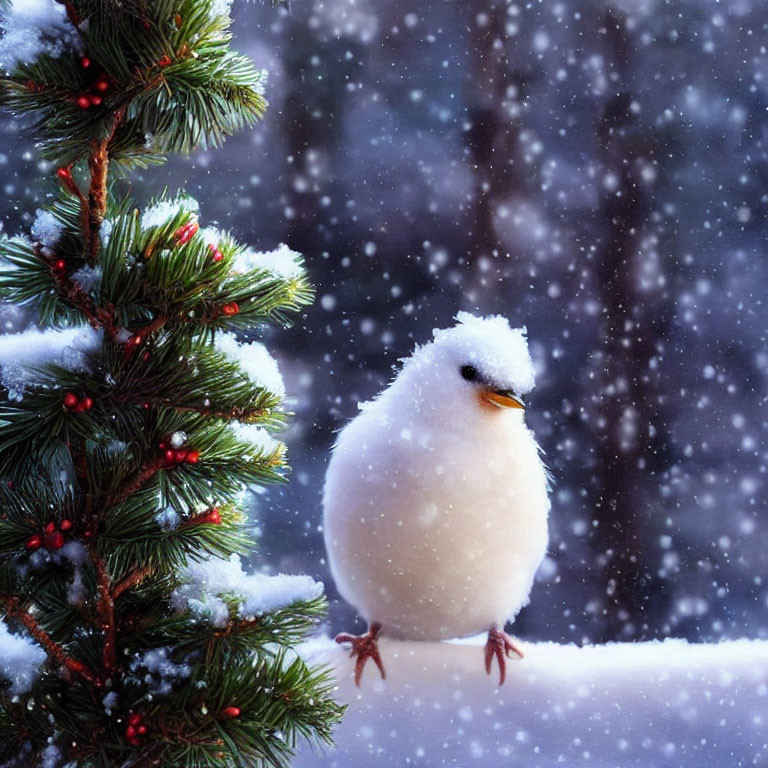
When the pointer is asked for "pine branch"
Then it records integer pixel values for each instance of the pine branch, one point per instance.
(56, 652)
(132, 580)
(137, 482)
(98, 165)
(106, 611)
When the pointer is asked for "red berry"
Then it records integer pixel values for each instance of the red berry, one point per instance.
(141, 730)
(135, 742)
(130, 732)
(170, 456)
(231, 308)
(65, 525)
(64, 174)
(59, 265)
(212, 518)
(186, 232)
(83, 102)
(134, 718)
(87, 534)
(95, 100)
(231, 712)
(164, 61)
(50, 528)
(54, 540)
(33, 542)
(180, 456)
(161, 446)
(86, 62)
(86, 404)
(70, 400)
(193, 457)
(216, 254)
(102, 85)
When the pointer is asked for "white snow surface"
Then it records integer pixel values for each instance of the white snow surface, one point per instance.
(167, 518)
(282, 263)
(19, 660)
(32, 27)
(256, 362)
(158, 671)
(88, 277)
(163, 211)
(46, 228)
(257, 436)
(22, 353)
(208, 580)
(651, 705)
(220, 8)
(50, 757)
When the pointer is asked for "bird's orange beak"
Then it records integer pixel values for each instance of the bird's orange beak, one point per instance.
(503, 398)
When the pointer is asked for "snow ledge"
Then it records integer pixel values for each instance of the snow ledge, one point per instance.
(658, 704)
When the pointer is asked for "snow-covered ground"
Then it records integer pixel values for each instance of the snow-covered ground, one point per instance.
(655, 705)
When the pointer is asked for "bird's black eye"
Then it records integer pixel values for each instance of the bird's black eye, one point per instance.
(469, 372)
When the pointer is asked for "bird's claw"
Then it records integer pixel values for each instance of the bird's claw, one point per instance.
(364, 647)
(500, 646)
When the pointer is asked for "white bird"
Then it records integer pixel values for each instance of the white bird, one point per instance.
(436, 497)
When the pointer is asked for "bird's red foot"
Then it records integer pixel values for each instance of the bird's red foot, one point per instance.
(500, 645)
(364, 647)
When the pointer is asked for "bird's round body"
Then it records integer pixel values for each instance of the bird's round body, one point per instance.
(436, 500)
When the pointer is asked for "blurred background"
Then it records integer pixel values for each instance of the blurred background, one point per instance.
(595, 171)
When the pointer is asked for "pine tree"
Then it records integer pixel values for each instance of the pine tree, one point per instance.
(134, 415)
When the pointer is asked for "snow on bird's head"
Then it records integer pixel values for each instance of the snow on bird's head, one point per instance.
(497, 352)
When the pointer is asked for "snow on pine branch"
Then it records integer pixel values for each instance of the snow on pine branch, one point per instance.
(207, 582)
(46, 228)
(33, 27)
(281, 263)
(19, 660)
(163, 211)
(261, 441)
(651, 705)
(22, 353)
(256, 362)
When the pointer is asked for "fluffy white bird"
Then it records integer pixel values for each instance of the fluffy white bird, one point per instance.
(436, 497)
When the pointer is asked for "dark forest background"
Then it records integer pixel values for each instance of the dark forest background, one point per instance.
(596, 171)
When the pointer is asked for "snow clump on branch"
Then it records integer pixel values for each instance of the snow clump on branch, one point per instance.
(281, 263)
(164, 210)
(33, 27)
(19, 660)
(209, 581)
(46, 228)
(22, 354)
(256, 362)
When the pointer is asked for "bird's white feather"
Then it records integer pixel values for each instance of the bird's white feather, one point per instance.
(435, 506)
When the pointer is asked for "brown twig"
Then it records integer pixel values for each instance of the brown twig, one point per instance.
(76, 296)
(106, 611)
(55, 651)
(130, 581)
(140, 336)
(98, 165)
(136, 482)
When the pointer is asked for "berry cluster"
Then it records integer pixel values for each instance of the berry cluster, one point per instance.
(135, 729)
(216, 254)
(186, 232)
(77, 405)
(174, 456)
(52, 538)
(94, 95)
